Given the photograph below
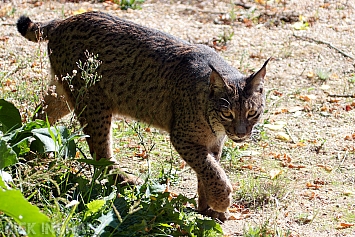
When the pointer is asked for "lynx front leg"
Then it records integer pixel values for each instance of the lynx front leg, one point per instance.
(203, 207)
(215, 188)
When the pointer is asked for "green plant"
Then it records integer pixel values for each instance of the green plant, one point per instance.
(35, 136)
(97, 206)
(149, 211)
(256, 191)
(28, 217)
(323, 74)
(226, 36)
(351, 79)
(265, 230)
(243, 66)
(133, 4)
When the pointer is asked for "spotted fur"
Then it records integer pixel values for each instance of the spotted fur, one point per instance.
(186, 89)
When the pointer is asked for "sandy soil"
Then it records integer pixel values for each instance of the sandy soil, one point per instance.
(310, 83)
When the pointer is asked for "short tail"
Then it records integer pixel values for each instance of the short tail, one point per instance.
(34, 31)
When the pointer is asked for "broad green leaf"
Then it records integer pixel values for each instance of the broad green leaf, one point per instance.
(6, 178)
(55, 139)
(44, 136)
(106, 220)
(25, 214)
(93, 207)
(9, 116)
(7, 155)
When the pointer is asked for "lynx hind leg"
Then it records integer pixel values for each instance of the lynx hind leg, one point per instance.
(55, 104)
(96, 117)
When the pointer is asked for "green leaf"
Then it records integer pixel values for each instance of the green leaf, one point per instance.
(93, 207)
(300, 25)
(7, 155)
(4, 178)
(54, 139)
(9, 116)
(25, 214)
(44, 136)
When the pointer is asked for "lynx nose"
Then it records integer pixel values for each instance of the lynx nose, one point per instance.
(241, 131)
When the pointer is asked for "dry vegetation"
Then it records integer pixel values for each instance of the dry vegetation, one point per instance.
(296, 176)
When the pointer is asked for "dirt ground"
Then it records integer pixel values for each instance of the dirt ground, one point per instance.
(309, 122)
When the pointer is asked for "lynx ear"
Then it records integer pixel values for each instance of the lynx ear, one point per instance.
(217, 83)
(255, 82)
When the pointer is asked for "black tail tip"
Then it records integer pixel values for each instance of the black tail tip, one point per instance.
(23, 24)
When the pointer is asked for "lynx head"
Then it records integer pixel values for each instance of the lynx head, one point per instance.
(237, 103)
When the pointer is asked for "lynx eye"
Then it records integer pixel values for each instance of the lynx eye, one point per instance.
(252, 114)
(227, 114)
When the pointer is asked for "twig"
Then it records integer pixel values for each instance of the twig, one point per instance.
(242, 4)
(330, 45)
(343, 96)
(289, 133)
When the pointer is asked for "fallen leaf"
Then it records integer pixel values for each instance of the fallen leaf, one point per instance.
(295, 109)
(334, 100)
(348, 192)
(277, 93)
(312, 186)
(233, 217)
(343, 225)
(274, 173)
(326, 167)
(298, 144)
(79, 11)
(320, 182)
(182, 165)
(308, 97)
(292, 166)
(310, 75)
(281, 111)
(348, 108)
(324, 87)
(276, 126)
(300, 25)
(142, 153)
(282, 136)
(247, 167)
(309, 194)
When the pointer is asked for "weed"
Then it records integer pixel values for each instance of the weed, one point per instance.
(89, 202)
(265, 230)
(323, 74)
(132, 4)
(256, 191)
(351, 79)
(243, 66)
(225, 37)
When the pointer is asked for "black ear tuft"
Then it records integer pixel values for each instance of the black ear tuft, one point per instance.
(217, 83)
(22, 24)
(255, 82)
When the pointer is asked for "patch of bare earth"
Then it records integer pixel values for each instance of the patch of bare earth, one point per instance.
(310, 137)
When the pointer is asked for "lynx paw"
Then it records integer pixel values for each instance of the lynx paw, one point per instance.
(124, 178)
(222, 216)
(219, 196)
